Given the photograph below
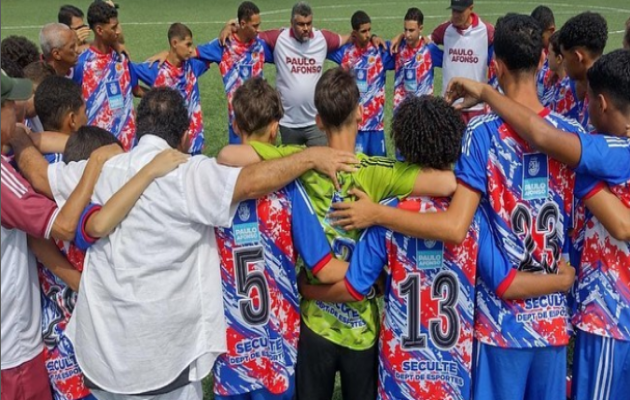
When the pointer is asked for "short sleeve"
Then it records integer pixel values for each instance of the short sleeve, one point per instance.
(82, 240)
(606, 158)
(199, 67)
(270, 37)
(211, 52)
(336, 56)
(382, 178)
(333, 40)
(23, 208)
(145, 73)
(389, 61)
(268, 52)
(308, 235)
(472, 164)
(77, 70)
(132, 74)
(438, 33)
(64, 178)
(268, 151)
(209, 190)
(368, 260)
(493, 266)
(587, 186)
(437, 55)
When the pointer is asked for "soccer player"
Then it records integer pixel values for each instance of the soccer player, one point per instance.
(468, 51)
(602, 353)
(545, 18)
(564, 100)
(426, 341)
(36, 72)
(60, 108)
(108, 78)
(338, 337)
(527, 197)
(180, 72)
(582, 41)
(258, 268)
(20, 50)
(59, 48)
(414, 60)
(74, 18)
(369, 65)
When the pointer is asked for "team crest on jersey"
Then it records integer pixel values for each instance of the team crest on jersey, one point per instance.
(246, 224)
(535, 176)
(361, 77)
(114, 95)
(411, 83)
(246, 71)
(429, 254)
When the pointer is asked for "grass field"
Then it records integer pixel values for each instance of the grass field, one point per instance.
(145, 23)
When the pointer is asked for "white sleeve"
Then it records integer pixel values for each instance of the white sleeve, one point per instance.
(64, 178)
(209, 189)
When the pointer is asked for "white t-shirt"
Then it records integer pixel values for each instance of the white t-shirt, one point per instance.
(150, 302)
(299, 66)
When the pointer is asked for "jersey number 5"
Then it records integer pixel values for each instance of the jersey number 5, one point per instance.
(247, 281)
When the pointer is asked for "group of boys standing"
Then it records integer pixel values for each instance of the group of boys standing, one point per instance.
(474, 284)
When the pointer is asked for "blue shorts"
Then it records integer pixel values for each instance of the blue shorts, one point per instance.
(263, 394)
(601, 368)
(233, 138)
(528, 374)
(371, 143)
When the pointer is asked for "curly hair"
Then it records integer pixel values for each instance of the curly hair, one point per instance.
(20, 50)
(428, 131)
(11, 68)
(518, 42)
(100, 13)
(588, 30)
(610, 75)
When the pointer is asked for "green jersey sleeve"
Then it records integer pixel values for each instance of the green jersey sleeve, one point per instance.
(268, 151)
(382, 178)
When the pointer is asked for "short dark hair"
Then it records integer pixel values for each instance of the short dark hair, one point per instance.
(162, 112)
(67, 12)
(428, 131)
(55, 97)
(38, 71)
(178, 31)
(302, 9)
(11, 68)
(414, 14)
(336, 97)
(611, 75)
(588, 30)
(518, 42)
(82, 144)
(256, 105)
(554, 42)
(19, 49)
(359, 18)
(246, 10)
(544, 16)
(100, 13)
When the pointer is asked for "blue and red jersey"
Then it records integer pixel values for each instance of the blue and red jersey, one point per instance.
(414, 68)
(565, 100)
(184, 79)
(369, 66)
(258, 269)
(528, 199)
(543, 82)
(237, 62)
(107, 81)
(603, 295)
(426, 339)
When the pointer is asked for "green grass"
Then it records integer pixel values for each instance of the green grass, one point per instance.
(145, 23)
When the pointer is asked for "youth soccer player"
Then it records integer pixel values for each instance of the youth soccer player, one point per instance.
(426, 341)
(527, 197)
(180, 72)
(602, 352)
(258, 268)
(338, 337)
(564, 101)
(369, 64)
(545, 18)
(108, 78)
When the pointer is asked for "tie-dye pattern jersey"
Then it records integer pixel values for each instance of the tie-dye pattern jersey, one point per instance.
(184, 79)
(107, 81)
(414, 70)
(603, 296)
(426, 339)
(258, 256)
(528, 199)
(369, 66)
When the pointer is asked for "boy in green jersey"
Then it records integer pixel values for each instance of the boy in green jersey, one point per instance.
(342, 337)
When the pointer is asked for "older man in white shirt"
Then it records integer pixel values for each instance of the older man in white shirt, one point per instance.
(149, 319)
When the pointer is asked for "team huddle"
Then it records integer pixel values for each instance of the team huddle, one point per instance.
(133, 266)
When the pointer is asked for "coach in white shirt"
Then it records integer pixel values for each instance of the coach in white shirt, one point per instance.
(149, 317)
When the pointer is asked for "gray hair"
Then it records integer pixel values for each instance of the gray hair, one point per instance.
(51, 37)
(302, 9)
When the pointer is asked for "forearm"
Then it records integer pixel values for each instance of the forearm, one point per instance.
(435, 183)
(32, 165)
(336, 293)
(611, 212)
(528, 285)
(238, 156)
(49, 142)
(333, 272)
(49, 255)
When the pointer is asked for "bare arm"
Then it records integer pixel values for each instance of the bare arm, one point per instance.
(32, 165)
(332, 272)
(335, 293)
(527, 285)
(436, 183)
(449, 226)
(48, 253)
(49, 142)
(238, 156)
(102, 222)
(611, 212)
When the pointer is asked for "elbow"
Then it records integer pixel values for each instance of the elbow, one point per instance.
(97, 230)
(621, 231)
(63, 231)
(326, 278)
(456, 233)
